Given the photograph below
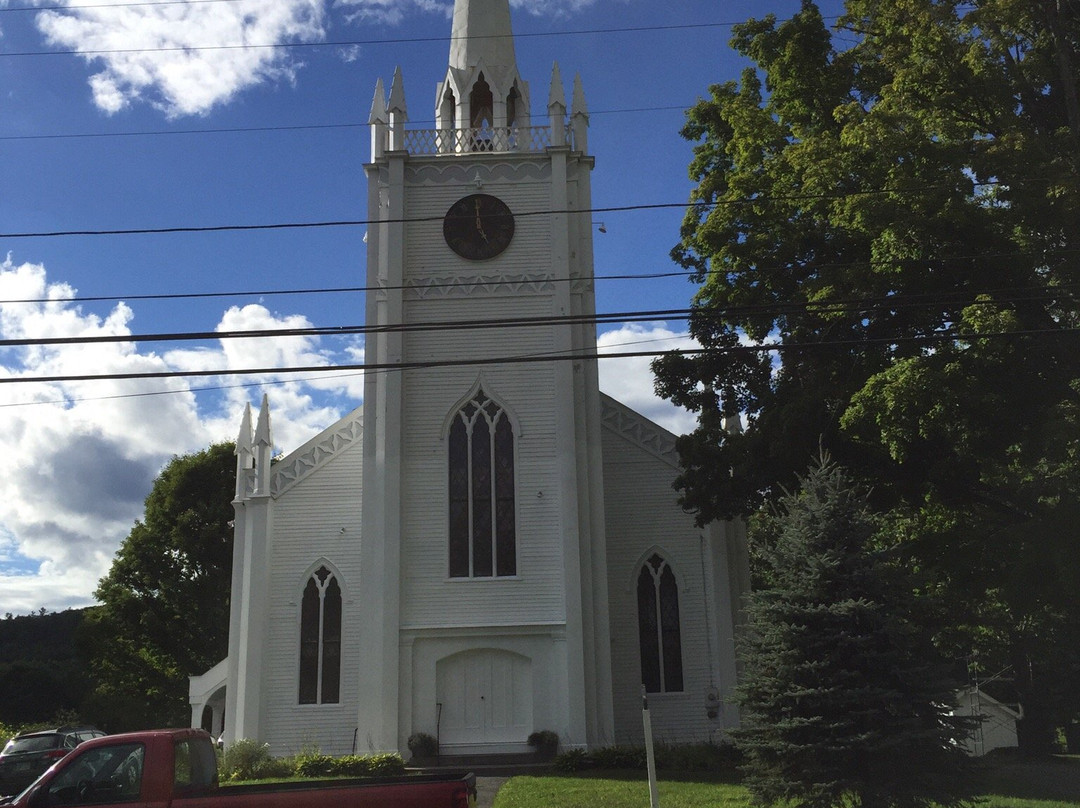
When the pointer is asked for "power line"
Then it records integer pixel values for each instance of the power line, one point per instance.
(348, 43)
(889, 303)
(927, 339)
(351, 330)
(700, 204)
(287, 128)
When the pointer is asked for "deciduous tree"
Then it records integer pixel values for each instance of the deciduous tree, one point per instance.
(898, 209)
(165, 601)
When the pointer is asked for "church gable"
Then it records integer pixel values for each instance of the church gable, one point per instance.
(638, 430)
(317, 452)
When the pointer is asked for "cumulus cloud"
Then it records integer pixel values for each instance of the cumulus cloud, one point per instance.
(183, 58)
(188, 58)
(80, 457)
(630, 379)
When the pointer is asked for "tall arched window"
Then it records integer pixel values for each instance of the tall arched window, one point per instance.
(483, 541)
(658, 627)
(320, 639)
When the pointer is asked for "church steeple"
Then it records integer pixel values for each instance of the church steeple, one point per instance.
(482, 91)
(481, 35)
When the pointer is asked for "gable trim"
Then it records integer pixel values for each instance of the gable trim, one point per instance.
(638, 430)
(317, 452)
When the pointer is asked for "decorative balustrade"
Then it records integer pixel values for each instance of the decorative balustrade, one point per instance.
(463, 141)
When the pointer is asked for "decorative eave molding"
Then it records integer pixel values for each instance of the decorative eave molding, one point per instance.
(440, 171)
(495, 283)
(639, 430)
(317, 452)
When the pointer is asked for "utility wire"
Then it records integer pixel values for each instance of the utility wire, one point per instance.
(515, 360)
(633, 276)
(773, 310)
(699, 204)
(334, 331)
(348, 43)
(293, 128)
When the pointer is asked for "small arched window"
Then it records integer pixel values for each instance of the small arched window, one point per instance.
(483, 540)
(513, 101)
(320, 639)
(658, 627)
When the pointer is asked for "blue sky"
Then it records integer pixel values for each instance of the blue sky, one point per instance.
(168, 124)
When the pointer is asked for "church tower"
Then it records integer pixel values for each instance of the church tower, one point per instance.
(483, 564)
(489, 547)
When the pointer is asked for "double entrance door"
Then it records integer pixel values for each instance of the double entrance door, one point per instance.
(486, 698)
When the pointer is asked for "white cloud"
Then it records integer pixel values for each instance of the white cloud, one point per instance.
(630, 379)
(80, 457)
(146, 50)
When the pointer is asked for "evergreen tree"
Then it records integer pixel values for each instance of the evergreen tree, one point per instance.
(844, 699)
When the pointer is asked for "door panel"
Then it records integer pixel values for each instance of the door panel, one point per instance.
(486, 697)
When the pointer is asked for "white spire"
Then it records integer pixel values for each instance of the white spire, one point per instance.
(397, 95)
(262, 429)
(378, 104)
(243, 440)
(481, 35)
(556, 95)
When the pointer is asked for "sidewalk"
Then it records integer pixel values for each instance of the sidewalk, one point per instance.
(486, 788)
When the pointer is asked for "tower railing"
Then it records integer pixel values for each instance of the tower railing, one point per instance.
(489, 139)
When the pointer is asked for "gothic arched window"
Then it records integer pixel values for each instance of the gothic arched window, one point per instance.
(483, 540)
(658, 627)
(320, 639)
(481, 104)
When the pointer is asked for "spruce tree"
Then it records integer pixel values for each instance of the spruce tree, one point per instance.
(844, 699)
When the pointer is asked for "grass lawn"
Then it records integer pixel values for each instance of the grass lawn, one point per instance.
(1009, 784)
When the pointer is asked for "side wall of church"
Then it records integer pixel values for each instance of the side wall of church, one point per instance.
(315, 522)
(643, 517)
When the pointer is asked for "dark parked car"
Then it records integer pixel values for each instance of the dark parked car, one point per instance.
(27, 755)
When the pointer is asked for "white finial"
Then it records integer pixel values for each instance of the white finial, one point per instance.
(378, 104)
(262, 429)
(243, 440)
(556, 96)
(577, 106)
(397, 94)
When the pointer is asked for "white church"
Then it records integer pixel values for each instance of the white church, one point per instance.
(489, 546)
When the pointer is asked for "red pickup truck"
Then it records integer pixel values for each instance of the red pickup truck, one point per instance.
(177, 768)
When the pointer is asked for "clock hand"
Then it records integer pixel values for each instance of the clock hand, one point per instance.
(480, 222)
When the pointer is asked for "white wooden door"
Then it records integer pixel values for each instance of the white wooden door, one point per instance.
(486, 697)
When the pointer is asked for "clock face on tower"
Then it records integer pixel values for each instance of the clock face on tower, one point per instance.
(478, 227)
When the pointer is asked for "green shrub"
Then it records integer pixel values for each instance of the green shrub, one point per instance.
(714, 758)
(318, 765)
(245, 760)
(385, 765)
(619, 757)
(573, 760)
(545, 742)
(423, 745)
(314, 764)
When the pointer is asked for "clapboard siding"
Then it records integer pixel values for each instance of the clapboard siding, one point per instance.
(536, 594)
(642, 513)
(426, 251)
(307, 526)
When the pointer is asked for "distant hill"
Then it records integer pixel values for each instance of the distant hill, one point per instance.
(43, 673)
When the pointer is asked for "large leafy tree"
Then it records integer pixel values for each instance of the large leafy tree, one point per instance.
(844, 698)
(898, 207)
(164, 611)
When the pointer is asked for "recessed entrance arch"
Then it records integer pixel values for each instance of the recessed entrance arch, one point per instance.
(486, 697)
